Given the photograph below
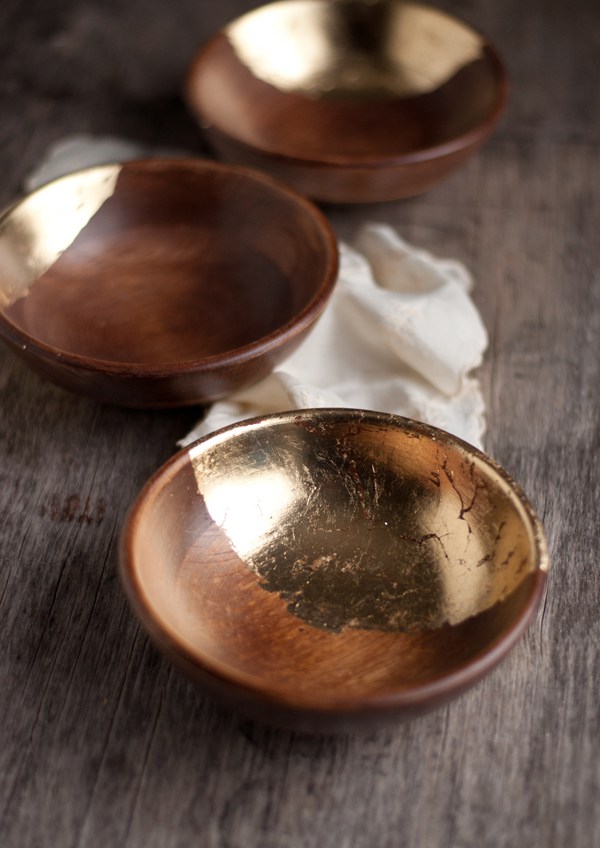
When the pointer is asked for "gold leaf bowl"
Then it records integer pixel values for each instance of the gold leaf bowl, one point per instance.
(162, 282)
(348, 100)
(329, 568)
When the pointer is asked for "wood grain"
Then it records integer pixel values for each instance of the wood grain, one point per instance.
(100, 742)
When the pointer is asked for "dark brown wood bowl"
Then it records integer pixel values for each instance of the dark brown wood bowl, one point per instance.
(162, 283)
(330, 569)
(348, 101)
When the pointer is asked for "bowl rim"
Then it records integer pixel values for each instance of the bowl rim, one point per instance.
(292, 328)
(463, 141)
(440, 687)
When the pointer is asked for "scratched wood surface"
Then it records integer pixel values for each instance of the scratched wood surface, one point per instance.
(101, 743)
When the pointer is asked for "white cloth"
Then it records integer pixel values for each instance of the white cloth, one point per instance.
(400, 334)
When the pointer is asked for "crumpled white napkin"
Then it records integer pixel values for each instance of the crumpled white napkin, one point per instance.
(400, 334)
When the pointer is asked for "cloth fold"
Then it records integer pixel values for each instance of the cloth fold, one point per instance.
(400, 334)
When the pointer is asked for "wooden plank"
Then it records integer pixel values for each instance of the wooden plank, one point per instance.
(101, 743)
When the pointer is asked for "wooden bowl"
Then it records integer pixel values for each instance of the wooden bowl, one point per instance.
(348, 101)
(162, 283)
(325, 569)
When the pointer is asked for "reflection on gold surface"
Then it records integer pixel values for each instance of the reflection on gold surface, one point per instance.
(35, 232)
(250, 509)
(367, 522)
(353, 47)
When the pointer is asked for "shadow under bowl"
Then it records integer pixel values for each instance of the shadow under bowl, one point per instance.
(349, 101)
(331, 569)
(162, 283)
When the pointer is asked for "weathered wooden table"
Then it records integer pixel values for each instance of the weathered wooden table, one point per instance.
(102, 744)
